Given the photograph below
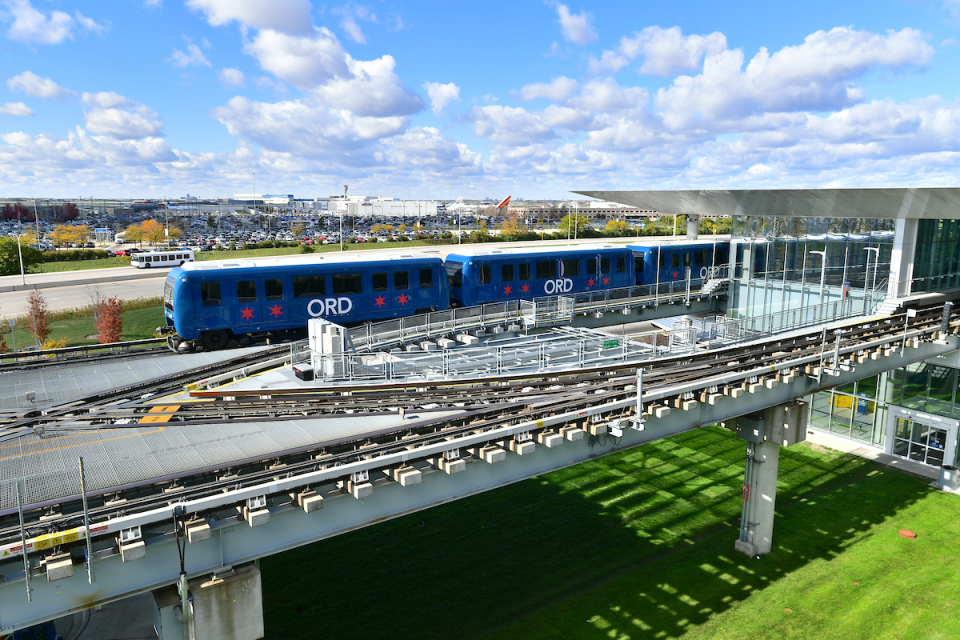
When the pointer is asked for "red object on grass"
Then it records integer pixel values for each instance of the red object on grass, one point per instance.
(906, 533)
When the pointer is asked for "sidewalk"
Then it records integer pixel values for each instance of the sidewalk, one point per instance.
(857, 449)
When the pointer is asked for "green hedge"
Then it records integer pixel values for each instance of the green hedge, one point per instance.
(74, 255)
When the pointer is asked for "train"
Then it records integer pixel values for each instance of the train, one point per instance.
(220, 303)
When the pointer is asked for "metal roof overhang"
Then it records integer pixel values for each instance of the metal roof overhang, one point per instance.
(922, 203)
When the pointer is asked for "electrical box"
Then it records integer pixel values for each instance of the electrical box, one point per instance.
(751, 427)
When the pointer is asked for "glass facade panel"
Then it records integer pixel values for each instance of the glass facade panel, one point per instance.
(936, 264)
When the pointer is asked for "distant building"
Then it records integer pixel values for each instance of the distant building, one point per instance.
(270, 199)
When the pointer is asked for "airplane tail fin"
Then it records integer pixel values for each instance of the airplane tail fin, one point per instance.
(504, 203)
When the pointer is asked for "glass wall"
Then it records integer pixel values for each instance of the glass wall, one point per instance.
(924, 386)
(779, 263)
(936, 264)
(851, 412)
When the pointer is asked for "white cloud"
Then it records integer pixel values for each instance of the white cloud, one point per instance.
(30, 25)
(302, 61)
(232, 78)
(427, 148)
(264, 83)
(152, 3)
(350, 14)
(576, 28)
(441, 95)
(815, 75)
(37, 87)
(666, 52)
(15, 109)
(286, 16)
(606, 96)
(193, 57)
(115, 116)
(371, 89)
(510, 125)
(557, 89)
(91, 25)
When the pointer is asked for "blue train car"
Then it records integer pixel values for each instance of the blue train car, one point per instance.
(214, 302)
(668, 262)
(513, 274)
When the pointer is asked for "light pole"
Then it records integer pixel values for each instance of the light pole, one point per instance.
(23, 277)
(823, 273)
(876, 260)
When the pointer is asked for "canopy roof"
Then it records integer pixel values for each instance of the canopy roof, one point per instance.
(925, 203)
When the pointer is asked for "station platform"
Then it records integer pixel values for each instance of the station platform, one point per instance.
(61, 383)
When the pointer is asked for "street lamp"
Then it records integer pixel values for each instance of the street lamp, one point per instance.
(23, 277)
(823, 272)
(876, 261)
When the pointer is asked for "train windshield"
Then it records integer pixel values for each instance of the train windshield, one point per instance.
(454, 273)
(168, 294)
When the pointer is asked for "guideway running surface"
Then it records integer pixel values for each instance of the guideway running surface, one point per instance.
(63, 383)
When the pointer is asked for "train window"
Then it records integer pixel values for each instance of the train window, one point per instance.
(569, 268)
(401, 281)
(273, 289)
(210, 294)
(546, 269)
(675, 260)
(524, 272)
(604, 265)
(347, 283)
(506, 273)
(486, 274)
(621, 264)
(638, 262)
(592, 266)
(454, 273)
(426, 278)
(380, 281)
(699, 258)
(246, 291)
(309, 287)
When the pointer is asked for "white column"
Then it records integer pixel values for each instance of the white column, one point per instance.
(693, 226)
(901, 260)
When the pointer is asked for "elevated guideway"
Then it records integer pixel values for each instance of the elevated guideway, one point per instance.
(412, 445)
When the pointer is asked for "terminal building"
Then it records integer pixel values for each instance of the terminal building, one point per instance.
(807, 249)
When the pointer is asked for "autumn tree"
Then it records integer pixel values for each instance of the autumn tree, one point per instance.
(574, 224)
(109, 320)
(153, 232)
(134, 233)
(82, 233)
(617, 228)
(69, 211)
(37, 315)
(514, 225)
(62, 234)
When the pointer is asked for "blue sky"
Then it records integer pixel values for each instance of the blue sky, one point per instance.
(158, 98)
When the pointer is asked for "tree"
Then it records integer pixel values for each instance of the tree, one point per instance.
(10, 256)
(81, 233)
(134, 233)
(37, 315)
(153, 232)
(575, 227)
(211, 221)
(617, 228)
(109, 320)
(69, 211)
(62, 234)
(513, 227)
(298, 229)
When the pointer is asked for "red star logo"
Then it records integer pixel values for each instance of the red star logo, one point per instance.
(507, 290)
(675, 274)
(590, 282)
(606, 281)
(379, 302)
(276, 310)
(247, 313)
(403, 299)
(525, 288)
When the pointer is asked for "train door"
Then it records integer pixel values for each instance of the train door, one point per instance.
(570, 275)
(524, 281)
(426, 288)
(487, 285)
(348, 297)
(275, 301)
(638, 267)
(546, 272)
(247, 309)
(382, 299)
(508, 285)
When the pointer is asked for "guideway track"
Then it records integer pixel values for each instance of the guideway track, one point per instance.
(554, 394)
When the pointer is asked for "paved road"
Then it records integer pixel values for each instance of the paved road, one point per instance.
(70, 289)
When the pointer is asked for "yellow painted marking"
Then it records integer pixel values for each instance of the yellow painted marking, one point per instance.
(80, 444)
(170, 408)
(154, 419)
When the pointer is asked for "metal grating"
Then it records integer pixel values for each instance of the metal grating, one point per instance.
(48, 466)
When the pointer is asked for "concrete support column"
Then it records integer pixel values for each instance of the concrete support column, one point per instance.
(693, 226)
(765, 432)
(226, 606)
(760, 494)
(901, 259)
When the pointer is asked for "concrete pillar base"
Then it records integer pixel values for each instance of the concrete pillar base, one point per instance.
(747, 548)
(229, 607)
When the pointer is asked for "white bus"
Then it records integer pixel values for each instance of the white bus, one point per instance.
(148, 259)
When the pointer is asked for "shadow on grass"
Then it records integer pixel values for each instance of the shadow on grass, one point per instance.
(636, 544)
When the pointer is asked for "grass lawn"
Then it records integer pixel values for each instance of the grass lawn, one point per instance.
(138, 324)
(640, 545)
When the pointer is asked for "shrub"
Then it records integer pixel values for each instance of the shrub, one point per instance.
(109, 320)
(37, 315)
(305, 248)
